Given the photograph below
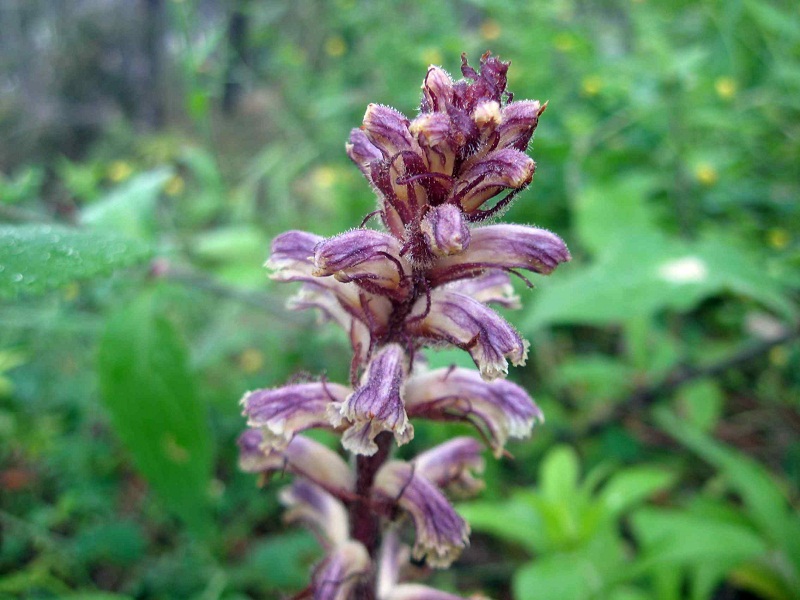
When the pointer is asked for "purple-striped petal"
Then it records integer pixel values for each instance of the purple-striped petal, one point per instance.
(302, 456)
(387, 130)
(500, 409)
(519, 119)
(340, 572)
(318, 510)
(503, 247)
(492, 287)
(452, 466)
(367, 257)
(468, 324)
(416, 591)
(480, 180)
(285, 411)
(437, 90)
(441, 534)
(361, 151)
(377, 404)
(439, 142)
(445, 230)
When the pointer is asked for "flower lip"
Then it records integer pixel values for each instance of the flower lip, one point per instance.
(377, 404)
(466, 323)
(282, 412)
(499, 409)
(505, 247)
(369, 258)
(441, 534)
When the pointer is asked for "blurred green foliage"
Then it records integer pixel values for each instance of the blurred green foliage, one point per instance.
(137, 213)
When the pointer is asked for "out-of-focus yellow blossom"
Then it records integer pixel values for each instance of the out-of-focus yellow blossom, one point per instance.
(706, 174)
(174, 186)
(779, 356)
(591, 85)
(71, 291)
(726, 87)
(431, 56)
(490, 30)
(251, 360)
(119, 170)
(778, 238)
(564, 42)
(335, 46)
(324, 177)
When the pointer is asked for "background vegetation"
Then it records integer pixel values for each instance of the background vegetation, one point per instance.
(152, 148)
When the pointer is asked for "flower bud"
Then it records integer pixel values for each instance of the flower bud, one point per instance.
(445, 230)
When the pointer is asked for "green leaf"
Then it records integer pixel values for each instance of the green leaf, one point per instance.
(681, 538)
(765, 501)
(151, 396)
(558, 476)
(35, 259)
(281, 561)
(605, 214)
(701, 402)
(129, 208)
(648, 272)
(515, 521)
(632, 486)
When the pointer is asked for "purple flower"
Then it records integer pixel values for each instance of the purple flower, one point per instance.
(369, 258)
(468, 324)
(505, 247)
(302, 456)
(452, 465)
(489, 175)
(425, 281)
(491, 287)
(340, 572)
(441, 533)
(445, 230)
(500, 409)
(282, 412)
(311, 505)
(377, 404)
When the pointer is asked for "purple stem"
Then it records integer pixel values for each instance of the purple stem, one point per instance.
(364, 522)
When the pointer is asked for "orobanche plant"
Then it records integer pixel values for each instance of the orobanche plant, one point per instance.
(426, 280)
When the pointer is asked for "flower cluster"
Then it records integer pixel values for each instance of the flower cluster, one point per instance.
(428, 279)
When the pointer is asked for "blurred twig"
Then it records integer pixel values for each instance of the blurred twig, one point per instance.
(205, 283)
(647, 395)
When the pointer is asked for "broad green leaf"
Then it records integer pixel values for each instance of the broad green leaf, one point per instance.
(559, 576)
(681, 538)
(35, 259)
(129, 208)
(558, 475)
(605, 214)
(649, 272)
(514, 521)
(281, 561)
(766, 503)
(631, 486)
(701, 402)
(155, 409)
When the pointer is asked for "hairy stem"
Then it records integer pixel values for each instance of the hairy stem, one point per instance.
(364, 522)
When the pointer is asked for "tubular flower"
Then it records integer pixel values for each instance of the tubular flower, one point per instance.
(441, 533)
(377, 404)
(426, 279)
